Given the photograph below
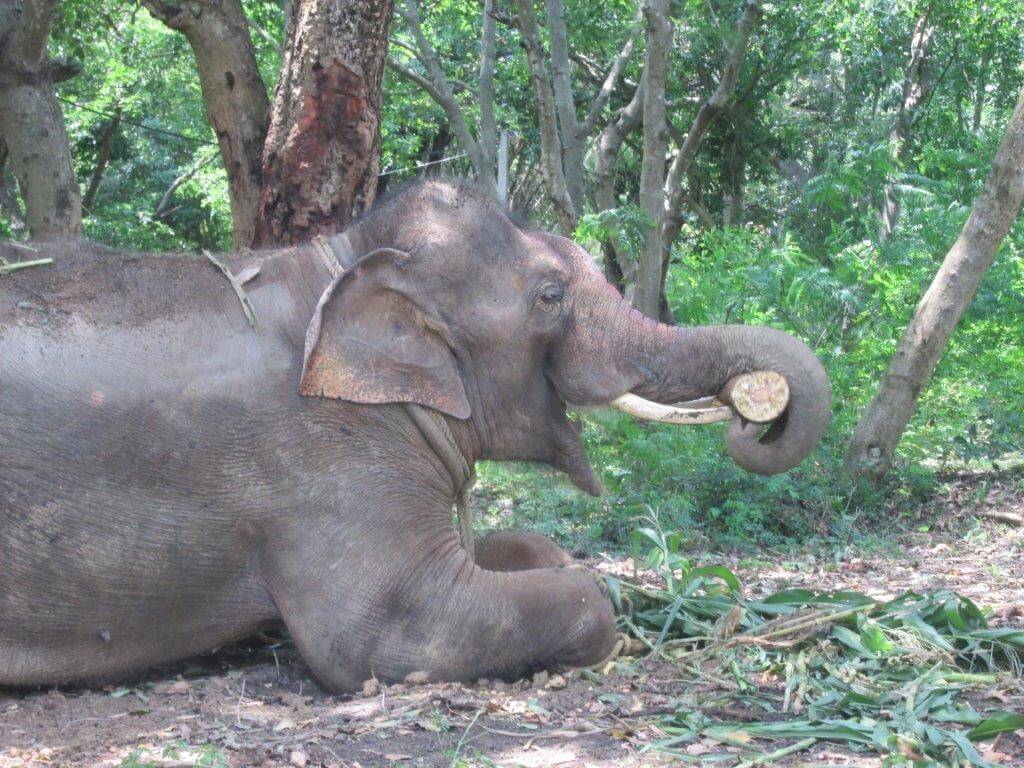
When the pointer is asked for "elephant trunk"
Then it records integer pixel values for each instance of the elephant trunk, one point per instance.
(685, 363)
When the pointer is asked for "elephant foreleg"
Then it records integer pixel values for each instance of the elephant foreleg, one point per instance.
(445, 616)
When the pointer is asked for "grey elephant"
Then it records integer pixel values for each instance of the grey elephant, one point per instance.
(173, 477)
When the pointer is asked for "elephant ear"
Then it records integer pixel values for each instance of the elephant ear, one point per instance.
(370, 342)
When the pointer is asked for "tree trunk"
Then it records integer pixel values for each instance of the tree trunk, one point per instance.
(652, 167)
(31, 121)
(102, 158)
(551, 156)
(627, 119)
(915, 88)
(874, 442)
(565, 103)
(322, 151)
(233, 92)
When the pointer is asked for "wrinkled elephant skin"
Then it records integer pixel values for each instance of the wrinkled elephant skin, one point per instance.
(168, 483)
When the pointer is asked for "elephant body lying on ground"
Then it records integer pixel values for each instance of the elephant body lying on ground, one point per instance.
(168, 484)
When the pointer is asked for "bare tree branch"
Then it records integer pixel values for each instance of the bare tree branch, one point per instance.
(32, 123)
(488, 127)
(440, 90)
(915, 88)
(233, 93)
(162, 208)
(565, 103)
(610, 82)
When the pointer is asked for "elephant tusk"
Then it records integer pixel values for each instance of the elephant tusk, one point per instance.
(648, 410)
(760, 397)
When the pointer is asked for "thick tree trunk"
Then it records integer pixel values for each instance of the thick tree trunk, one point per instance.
(652, 168)
(322, 152)
(874, 442)
(233, 92)
(31, 121)
(915, 88)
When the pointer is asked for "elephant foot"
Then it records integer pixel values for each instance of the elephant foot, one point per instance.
(518, 551)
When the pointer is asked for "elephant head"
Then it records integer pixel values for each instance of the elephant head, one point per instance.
(455, 307)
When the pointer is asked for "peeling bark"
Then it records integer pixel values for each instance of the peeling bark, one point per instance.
(321, 157)
(874, 443)
(31, 121)
(233, 93)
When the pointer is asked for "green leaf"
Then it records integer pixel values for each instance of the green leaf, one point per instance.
(1001, 722)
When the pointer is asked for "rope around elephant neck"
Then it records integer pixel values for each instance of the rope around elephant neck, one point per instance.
(336, 254)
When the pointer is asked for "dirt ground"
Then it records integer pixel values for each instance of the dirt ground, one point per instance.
(256, 705)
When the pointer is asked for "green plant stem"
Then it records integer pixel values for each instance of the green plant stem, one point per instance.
(799, 746)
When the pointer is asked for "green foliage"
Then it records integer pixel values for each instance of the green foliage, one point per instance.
(839, 666)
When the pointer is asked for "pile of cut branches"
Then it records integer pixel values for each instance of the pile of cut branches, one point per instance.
(803, 666)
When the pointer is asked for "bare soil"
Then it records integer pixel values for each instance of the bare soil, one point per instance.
(255, 704)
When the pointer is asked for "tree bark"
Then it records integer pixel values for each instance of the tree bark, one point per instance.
(652, 168)
(915, 88)
(31, 121)
(874, 442)
(233, 92)
(322, 152)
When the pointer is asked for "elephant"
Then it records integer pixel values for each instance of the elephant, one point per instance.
(176, 474)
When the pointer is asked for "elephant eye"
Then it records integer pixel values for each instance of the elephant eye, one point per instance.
(551, 294)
